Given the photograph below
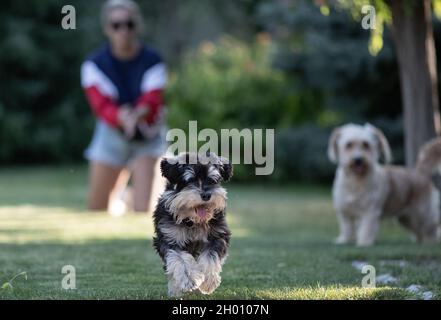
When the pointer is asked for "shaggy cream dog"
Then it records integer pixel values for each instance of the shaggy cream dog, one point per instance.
(365, 191)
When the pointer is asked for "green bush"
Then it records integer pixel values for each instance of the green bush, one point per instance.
(230, 83)
(44, 117)
(300, 154)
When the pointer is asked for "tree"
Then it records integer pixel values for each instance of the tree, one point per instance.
(411, 24)
(413, 35)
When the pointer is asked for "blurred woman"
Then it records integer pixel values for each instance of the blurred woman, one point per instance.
(123, 82)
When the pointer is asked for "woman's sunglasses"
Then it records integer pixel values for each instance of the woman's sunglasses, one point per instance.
(117, 25)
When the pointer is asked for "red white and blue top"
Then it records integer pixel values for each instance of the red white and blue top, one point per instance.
(110, 83)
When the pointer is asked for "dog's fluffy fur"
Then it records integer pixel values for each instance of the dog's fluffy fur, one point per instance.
(364, 191)
(191, 233)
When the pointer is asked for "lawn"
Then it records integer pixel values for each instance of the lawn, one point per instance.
(282, 246)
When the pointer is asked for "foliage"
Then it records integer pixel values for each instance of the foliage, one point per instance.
(9, 284)
(383, 17)
(41, 103)
(228, 83)
(328, 53)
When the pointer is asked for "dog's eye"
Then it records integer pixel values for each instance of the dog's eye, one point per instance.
(365, 145)
(349, 145)
(211, 181)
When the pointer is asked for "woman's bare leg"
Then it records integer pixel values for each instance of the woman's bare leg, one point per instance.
(120, 199)
(102, 179)
(143, 178)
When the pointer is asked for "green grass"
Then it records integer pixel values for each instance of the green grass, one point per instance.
(282, 246)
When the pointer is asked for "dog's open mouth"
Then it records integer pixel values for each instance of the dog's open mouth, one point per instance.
(360, 169)
(201, 212)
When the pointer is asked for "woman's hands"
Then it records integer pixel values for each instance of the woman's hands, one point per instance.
(129, 117)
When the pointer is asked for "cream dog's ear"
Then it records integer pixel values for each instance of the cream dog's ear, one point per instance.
(332, 145)
(382, 141)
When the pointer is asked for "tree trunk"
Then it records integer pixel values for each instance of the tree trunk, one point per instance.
(413, 35)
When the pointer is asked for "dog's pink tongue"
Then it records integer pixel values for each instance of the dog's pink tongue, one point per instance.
(201, 212)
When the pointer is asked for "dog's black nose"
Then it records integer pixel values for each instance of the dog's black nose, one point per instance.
(205, 196)
(358, 161)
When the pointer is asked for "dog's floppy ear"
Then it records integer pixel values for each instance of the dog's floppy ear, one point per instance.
(170, 169)
(226, 169)
(382, 142)
(332, 145)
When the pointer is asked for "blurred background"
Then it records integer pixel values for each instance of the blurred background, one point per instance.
(301, 67)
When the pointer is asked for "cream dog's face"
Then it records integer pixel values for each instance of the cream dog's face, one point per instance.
(357, 148)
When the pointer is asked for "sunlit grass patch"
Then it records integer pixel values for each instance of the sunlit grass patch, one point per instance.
(333, 293)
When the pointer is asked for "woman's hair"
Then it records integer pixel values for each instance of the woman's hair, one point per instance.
(128, 5)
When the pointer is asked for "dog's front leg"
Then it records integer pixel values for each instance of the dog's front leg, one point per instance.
(210, 263)
(183, 272)
(368, 228)
(347, 231)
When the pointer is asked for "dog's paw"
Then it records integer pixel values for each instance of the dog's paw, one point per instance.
(192, 279)
(183, 272)
(194, 274)
(184, 284)
(178, 287)
(212, 281)
(210, 264)
(342, 240)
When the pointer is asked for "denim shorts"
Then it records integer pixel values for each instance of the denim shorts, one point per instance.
(110, 147)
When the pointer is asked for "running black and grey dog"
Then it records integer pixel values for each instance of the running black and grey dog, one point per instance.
(191, 233)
